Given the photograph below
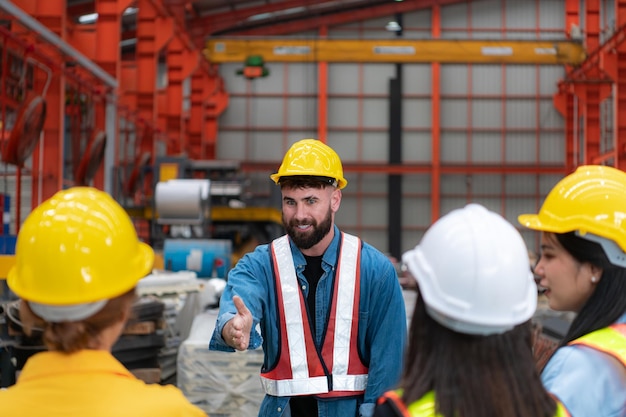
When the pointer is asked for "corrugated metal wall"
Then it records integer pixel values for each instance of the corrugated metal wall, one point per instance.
(491, 116)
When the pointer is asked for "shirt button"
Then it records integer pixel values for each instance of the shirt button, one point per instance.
(279, 409)
(304, 287)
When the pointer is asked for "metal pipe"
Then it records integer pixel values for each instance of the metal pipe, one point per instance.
(46, 34)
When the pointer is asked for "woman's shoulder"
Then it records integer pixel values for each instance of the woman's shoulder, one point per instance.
(586, 380)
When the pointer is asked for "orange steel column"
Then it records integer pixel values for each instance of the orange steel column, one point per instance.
(563, 100)
(196, 114)
(619, 114)
(153, 32)
(181, 62)
(108, 34)
(47, 159)
(108, 57)
(216, 103)
(590, 93)
(435, 174)
(322, 94)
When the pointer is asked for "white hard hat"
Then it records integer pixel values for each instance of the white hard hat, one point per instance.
(472, 270)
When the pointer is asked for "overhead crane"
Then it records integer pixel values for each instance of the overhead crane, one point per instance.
(488, 51)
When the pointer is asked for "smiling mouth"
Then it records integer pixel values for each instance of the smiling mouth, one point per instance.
(540, 288)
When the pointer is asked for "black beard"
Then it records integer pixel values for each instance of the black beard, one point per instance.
(306, 240)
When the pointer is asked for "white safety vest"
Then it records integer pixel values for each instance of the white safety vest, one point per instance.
(336, 371)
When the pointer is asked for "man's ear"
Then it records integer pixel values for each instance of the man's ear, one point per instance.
(335, 200)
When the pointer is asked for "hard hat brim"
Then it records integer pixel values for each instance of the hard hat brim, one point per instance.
(532, 221)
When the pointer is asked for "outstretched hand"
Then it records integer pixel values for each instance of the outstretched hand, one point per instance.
(236, 332)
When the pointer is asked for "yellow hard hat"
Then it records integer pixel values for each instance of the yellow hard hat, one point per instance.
(78, 247)
(591, 200)
(311, 157)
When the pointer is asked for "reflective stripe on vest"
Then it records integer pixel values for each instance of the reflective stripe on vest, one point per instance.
(299, 369)
(425, 406)
(610, 340)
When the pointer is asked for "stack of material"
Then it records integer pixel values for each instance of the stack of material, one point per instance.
(177, 292)
(139, 346)
(223, 384)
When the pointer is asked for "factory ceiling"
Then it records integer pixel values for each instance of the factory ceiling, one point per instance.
(204, 19)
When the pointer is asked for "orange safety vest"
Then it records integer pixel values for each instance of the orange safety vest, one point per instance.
(610, 340)
(301, 369)
(425, 406)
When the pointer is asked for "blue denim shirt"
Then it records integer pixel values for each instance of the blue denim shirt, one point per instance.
(586, 381)
(382, 321)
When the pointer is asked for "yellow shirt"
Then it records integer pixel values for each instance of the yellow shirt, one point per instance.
(88, 383)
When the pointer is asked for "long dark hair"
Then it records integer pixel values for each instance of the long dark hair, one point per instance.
(473, 376)
(608, 301)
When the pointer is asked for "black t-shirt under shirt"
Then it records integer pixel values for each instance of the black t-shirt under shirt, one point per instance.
(306, 406)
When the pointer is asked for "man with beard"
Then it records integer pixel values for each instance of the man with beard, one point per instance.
(329, 306)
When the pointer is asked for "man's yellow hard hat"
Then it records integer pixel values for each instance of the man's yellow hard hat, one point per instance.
(311, 157)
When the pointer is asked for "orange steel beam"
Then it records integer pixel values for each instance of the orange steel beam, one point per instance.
(619, 118)
(445, 169)
(435, 175)
(572, 15)
(181, 62)
(591, 82)
(47, 158)
(614, 64)
(178, 28)
(108, 57)
(563, 100)
(100, 42)
(196, 114)
(398, 50)
(108, 37)
(591, 94)
(315, 21)
(216, 103)
(128, 85)
(595, 58)
(216, 22)
(153, 32)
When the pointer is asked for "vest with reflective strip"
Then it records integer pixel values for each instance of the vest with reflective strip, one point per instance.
(300, 369)
(425, 406)
(610, 340)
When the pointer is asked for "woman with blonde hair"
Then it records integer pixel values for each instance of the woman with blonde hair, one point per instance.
(78, 260)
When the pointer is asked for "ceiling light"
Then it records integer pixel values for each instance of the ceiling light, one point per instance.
(128, 42)
(393, 26)
(93, 17)
(88, 18)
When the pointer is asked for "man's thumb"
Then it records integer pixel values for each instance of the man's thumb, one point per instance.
(240, 306)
